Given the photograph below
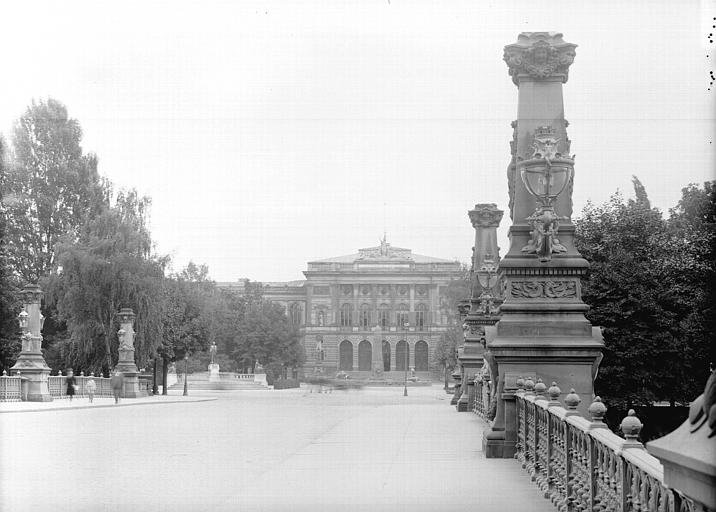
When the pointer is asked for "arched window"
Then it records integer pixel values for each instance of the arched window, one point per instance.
(421, 313)
(402, 355)
(386, 356)
(364, 316)
(384, 315)
(421, 356)
(295, 313)
(345, 355)
(402, 316)
(365, 355)
(346, 316)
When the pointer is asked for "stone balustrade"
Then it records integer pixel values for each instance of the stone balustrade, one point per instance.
(58, 385)
(10, 388)
(482, 397)
(579, 464)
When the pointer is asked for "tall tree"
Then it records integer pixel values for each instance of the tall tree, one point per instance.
(54, 185)
(9, 304)
(108, 268)
(638, 286)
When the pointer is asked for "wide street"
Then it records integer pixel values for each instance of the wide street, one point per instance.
(371, 449)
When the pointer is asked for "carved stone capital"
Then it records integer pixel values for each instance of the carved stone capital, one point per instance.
(485, 215)
(31, 294)
(126, 315)
(539, 56)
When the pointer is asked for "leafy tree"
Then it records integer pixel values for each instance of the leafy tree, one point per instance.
(9, 304)
(108, 268)
(641, 276)
(55, 187)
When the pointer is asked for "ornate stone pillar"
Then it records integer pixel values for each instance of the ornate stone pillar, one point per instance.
(30, 363)
(484, 294)
(542, 330)
(126, 363)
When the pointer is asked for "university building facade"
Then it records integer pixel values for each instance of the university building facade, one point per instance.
(381, 298)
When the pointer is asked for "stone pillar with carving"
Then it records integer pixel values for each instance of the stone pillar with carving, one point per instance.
(542, 327)
(484, 294)
(126, 363)
(30, 364)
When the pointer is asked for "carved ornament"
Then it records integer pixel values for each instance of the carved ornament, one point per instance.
(485, 216)
(539, 55)
(544, 242)
(543, 289)
(31, 294)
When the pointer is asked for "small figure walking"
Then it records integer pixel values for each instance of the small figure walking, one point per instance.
(91, 387)
(117, 383)
(71, 382)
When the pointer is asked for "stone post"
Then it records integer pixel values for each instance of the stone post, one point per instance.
(542, 327)
(30, 363)
(126, 363)
(377, 353)
(485, 218)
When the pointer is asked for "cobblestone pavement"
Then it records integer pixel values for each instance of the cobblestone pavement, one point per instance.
(264, 450)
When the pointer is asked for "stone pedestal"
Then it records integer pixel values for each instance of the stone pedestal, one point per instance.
(542, 331)
(214, 373)
(126, 363)
(30, 363)
(470, 356)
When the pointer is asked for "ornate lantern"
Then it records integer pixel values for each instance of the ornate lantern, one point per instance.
(545, 176)
(22, 318)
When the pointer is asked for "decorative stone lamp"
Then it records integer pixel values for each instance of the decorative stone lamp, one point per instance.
(214, 375)
(30, 362)
(542, 327)
(126, 363)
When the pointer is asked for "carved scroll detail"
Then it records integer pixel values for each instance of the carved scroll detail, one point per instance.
(543, 289)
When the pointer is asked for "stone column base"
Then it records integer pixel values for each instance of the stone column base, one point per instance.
(462, 404)
(131, 386)
(494, 445)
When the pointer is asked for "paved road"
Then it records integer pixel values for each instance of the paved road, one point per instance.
(260, 450)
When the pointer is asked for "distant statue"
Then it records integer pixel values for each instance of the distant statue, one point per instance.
(212, 351)
(320, 318)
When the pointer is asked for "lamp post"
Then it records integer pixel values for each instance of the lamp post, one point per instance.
(186, 374)
(405, 382)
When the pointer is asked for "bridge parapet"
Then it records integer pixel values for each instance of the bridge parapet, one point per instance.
(579, 464)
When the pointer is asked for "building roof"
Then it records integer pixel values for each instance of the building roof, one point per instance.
(383, 253)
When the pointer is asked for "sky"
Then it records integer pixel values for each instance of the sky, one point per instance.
(270, 134)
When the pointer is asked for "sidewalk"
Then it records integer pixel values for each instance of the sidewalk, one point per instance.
(99, 402)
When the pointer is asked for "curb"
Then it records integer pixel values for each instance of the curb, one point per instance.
(103, 406)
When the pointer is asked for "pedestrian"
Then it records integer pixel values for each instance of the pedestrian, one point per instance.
(91, 387)
(117, 385)
(71, 382)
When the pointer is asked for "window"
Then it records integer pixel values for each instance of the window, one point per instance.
(365, 356)
(421, 313)
(421, 356)
(402, 355)
(364, 316)
(384, 315)
(346, 316)
(345, 351)
(295, 314)
(402, 317)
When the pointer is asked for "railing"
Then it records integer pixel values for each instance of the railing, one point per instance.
(581, 465)
(483, 397)
(58, 385)
(10, 388)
